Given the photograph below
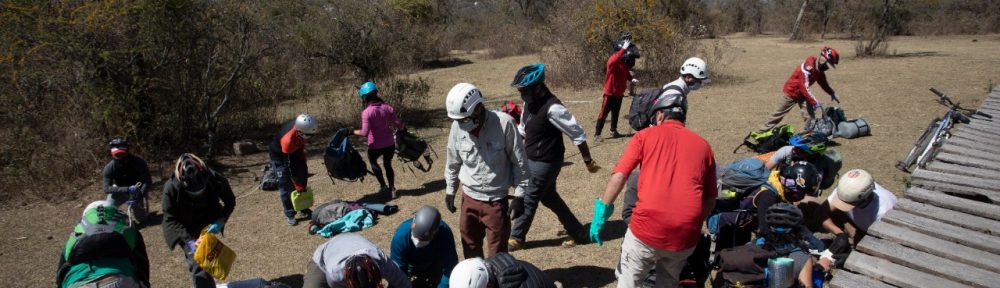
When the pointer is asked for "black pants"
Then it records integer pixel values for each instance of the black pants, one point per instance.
(542, 190)
(199, 277)
(386, 154)
(611, 104)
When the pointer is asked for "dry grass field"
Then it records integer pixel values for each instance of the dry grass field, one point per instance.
(891, 93)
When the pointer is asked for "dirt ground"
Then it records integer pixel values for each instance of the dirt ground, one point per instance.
(891, 93)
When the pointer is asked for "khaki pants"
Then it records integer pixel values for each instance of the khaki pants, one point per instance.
(638, 258)
(784, 107)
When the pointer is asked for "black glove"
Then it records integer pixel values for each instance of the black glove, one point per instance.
(516, 207)
(449, 201)
(841, 248)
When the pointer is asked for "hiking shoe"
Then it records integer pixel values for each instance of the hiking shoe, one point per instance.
(393, 194)
(615, 134)
(568, 242)
(291, 221)
(514, 245)
(598, 138)
(305, 214)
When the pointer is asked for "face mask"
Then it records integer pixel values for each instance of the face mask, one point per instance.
(419, 243)
(695, 85)
(467, 126)
(526, 97)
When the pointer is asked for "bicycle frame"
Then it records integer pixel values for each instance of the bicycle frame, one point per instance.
(941, 132)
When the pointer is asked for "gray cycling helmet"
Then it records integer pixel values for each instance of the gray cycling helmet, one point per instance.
(425, 223)
(674, 102)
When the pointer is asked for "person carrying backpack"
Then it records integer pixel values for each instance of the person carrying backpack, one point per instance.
(375, 121)
(500, 270)
(103, 251)
(616, 80)
(543, 122)
(349, 260)
(796, 89)
(288, 158)
(126, 177)
(424, 248)
(486, 156)
(195, 198)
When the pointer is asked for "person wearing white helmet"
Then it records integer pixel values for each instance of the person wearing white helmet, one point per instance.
(103, 252)
(796, 89)
(288, 159)
(501, 270)
(486, 156)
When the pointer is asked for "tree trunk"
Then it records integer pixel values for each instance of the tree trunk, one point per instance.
(827, 14)
(796, 29)
(875, 47)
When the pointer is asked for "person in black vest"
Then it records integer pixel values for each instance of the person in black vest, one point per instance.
(543, 121)
(288, 159)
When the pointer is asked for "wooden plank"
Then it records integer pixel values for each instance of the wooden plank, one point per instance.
(846, 279)
(972, 193)
(970, 142)
(946, 201)
(948, 168)
(935, 246)
(895, 274)
(944, 231)
(957, 183)
(967, 161)
(972, 222)
(922, 261)
(980, 133)
(989, 129)
(958, 150)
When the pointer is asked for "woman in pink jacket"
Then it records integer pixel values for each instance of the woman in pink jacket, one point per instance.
(375, 121)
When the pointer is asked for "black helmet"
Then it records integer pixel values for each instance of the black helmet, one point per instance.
(425, 223)
(676, 103)
(781, 216)
(118, 143)
(360, 271)
(190, 170)
(799, 179)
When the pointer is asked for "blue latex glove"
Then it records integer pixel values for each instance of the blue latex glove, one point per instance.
(191, 246)
(133, 189)
(713, 224)
(216, 227)
(601, 214)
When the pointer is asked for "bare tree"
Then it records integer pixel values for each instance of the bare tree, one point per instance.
(878, 44)
(797, 27)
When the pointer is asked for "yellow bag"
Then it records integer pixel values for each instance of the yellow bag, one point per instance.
(303, 200)
(213, 256)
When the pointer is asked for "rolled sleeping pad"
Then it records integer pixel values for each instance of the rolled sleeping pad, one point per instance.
(853, 128)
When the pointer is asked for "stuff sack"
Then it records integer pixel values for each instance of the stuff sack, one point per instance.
(768, 141)
(411, 148)
(213, 256)
(302, 200)
(341, 160)
(268, 178)
(823, 125)
(638, 111)
(854, 128)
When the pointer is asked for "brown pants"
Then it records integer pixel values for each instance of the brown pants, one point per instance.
(484, 219)
(784, 107)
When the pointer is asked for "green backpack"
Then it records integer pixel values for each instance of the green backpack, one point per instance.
(767, 141)
(102, 233)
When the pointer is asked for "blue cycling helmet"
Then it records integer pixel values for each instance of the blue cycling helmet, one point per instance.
(367, 88)
(811, 142)
(529, 75)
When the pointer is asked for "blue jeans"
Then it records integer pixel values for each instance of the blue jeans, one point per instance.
(285, 188)
(542, 190)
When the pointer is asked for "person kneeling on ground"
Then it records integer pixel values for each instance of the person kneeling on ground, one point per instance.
(424, 248)
(349, 260)
(191, 203)
(857, 202)
(501, 270)
(103, 251)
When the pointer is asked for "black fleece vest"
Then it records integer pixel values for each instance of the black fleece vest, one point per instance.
(542, 141)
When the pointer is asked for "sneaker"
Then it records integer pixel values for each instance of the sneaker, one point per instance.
(568, 242)
(514, 245)
(305, 214)
(291, 221)
(598, 138)
(615, 134)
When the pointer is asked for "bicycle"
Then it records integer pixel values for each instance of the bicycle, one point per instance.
(937, 132)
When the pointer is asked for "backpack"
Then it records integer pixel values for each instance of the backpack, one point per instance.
(638, 112)
(743, 265)
(741, 177)
(102, 233)
(513, 110)
(767, 141)
(341, 160)
(823, 125)
(411, 148)
(836, 114)
(268, 178)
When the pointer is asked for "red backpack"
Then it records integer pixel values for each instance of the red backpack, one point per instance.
(513, 110)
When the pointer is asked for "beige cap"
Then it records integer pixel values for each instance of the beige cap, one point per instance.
(854, 187)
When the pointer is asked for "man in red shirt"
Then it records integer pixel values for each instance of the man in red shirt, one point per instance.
(676, 193)
(797, 92)
(616, 82)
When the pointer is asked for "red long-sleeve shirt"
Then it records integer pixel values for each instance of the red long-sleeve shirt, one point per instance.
(617, 75)
(797, 86)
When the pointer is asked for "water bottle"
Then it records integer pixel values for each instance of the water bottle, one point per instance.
(779, 272)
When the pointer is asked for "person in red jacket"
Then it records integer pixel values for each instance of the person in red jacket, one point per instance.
(288, 159)
(616, 82)
(797, 90)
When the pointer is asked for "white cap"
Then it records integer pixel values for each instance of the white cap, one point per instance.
(854, 188)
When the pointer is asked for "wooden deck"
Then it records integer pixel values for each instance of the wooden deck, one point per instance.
(945, 231)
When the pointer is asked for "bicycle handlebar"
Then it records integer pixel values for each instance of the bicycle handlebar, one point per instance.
(944, 100)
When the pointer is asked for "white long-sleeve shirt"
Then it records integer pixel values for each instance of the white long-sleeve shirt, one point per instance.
(333, 255)
(486, 165)
(560, 117)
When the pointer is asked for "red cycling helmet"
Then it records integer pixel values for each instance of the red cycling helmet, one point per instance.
(830, 55)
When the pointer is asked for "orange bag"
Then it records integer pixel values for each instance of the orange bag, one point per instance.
(213, 256)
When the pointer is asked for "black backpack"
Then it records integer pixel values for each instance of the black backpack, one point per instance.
(767, 141)
(411, 148)
(268, 178)
(638, 112)
(341, 160)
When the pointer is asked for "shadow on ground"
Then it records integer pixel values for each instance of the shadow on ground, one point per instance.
(582, 276)
(294, 280)
(444, 63)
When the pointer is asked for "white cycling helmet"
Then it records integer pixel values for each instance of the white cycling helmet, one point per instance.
(470, 273)
(306, 124)
(696, 67)
(462, 100)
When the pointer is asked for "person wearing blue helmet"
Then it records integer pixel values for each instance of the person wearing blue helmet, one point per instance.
(543, 122)
(375, 120)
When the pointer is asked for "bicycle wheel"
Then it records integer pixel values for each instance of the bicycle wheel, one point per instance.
(918, 147)
(932, 148)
